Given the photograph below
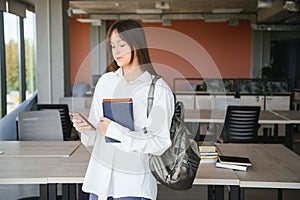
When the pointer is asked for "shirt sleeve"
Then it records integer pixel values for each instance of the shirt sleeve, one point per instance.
(88, 138)
(155, 137)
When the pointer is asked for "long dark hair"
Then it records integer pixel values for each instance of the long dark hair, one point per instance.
(133, 33)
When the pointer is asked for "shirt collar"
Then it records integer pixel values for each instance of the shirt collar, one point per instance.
(119, 72)
(144, 77)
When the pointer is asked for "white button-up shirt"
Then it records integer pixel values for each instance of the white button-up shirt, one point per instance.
(122, 169)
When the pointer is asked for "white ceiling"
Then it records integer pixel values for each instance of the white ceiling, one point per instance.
(189, 9)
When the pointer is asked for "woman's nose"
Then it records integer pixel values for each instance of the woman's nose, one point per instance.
(117, 50)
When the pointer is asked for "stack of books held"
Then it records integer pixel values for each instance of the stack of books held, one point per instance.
(208, 154)
(233, 162)
(119, 110)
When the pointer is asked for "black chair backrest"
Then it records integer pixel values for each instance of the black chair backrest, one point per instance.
(64, 116)
(241, 124)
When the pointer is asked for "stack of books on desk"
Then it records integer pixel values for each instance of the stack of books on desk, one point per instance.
(208, 154)
(234, 162)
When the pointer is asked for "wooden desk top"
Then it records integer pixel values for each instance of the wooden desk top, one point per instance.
(43, 170)
(273, 165)
(38, 148)
(292, 115)
(71, 170)
(218, 116)
(209, 174)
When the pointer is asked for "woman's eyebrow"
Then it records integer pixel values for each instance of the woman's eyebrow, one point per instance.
(117, 41)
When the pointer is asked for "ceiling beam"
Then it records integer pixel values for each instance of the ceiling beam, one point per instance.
(187, 16)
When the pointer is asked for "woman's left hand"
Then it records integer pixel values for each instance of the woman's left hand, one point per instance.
(103, 124)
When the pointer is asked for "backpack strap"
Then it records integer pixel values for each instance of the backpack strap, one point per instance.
(151, 93)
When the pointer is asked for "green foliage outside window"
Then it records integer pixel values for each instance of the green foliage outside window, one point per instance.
(12, 71)
(12, 66)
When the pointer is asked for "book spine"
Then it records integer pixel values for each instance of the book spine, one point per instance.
(228, 166)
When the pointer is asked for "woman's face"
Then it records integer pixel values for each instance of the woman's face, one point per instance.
(120, 50)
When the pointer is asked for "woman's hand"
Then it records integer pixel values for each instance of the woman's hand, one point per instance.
(103, 124)
(80, 125)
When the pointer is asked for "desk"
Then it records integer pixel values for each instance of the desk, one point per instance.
(273, 165)
(218, 116)
(69, 172)
(48, 171)
(38, 148)
(293, 117)
(44, 170)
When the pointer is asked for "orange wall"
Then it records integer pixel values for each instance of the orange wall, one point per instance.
(229, 47)
(79, 50)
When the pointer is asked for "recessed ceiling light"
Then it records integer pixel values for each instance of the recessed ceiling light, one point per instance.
(216, 20)
(264, 3)
(227, 10)
(152, 20)
(95, 22)
(78, 11)
(148, 11)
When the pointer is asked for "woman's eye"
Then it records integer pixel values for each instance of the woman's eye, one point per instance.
(112, 46)
(122, 45)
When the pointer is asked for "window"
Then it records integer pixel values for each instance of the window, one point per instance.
(11, 36)
(19, 83)
(29, 36)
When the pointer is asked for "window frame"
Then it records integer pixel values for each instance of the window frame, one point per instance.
(21, 64)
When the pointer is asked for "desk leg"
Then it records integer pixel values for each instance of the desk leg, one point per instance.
(43, 191)
(65, 191)
(215, 192)
(288, 136)
(52, 191)
(210, 192)
(265, 135)
(279, 194)
(68, 191)
(275, 133)
(81, 194)
(219, 192)
(242, 193)
(234, 193)
(72, 191)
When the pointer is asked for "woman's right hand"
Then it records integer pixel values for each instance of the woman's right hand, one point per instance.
(80, 125)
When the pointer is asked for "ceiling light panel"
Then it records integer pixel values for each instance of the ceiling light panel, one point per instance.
(227, 10)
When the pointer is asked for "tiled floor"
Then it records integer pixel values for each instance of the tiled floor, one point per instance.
(14, 192)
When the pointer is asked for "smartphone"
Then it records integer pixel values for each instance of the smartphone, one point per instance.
(77, 115)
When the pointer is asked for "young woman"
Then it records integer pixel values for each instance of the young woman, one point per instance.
(121, 170)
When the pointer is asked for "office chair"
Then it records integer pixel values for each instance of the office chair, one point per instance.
(64, 116)
(44, 125)
(241, 124)
(220, 104)
(40, 126)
